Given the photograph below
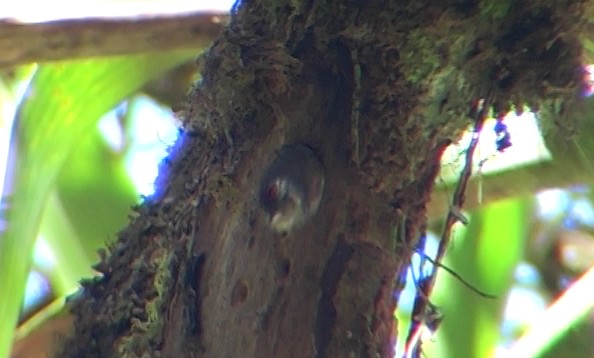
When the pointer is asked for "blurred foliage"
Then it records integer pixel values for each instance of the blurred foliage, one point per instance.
(71, 187)
(59, 151)
(485, 254)
(93, 183)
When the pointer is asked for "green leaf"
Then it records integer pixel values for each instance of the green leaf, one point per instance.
(63, 104)
(484, 254)
(96, 193)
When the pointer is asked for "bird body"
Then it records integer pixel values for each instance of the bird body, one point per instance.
(292, 187)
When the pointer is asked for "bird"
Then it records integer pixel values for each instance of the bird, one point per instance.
(291, 188)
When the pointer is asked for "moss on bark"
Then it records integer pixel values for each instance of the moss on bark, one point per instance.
(378, 89)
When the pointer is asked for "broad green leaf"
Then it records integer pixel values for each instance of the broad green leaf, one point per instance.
(72, 261)
(500, 249)
(95, 192)
(63, 104)
(484, 254)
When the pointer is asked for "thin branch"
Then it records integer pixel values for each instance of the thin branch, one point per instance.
(460, 192)
(91, 37)
(457, 276)
(421, 305)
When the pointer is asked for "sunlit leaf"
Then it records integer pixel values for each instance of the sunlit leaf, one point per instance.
(485, 255)
(63, 104)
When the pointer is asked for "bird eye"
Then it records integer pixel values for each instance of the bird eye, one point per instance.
(272, 192)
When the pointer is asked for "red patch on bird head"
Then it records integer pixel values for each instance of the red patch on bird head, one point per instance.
(272, 192)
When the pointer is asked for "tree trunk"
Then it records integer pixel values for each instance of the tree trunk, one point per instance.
(378, 89)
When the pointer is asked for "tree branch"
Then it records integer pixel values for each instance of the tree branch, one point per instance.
(65, 39)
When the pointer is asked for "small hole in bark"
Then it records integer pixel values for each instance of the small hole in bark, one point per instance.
(284, 268)
(239, 293)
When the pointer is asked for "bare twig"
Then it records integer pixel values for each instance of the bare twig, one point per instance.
(456, 276)
(422, 306)
(460, 193)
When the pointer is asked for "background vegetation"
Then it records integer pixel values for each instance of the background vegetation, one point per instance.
(71, 179)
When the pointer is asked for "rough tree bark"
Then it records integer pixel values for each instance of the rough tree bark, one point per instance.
(378, 89)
